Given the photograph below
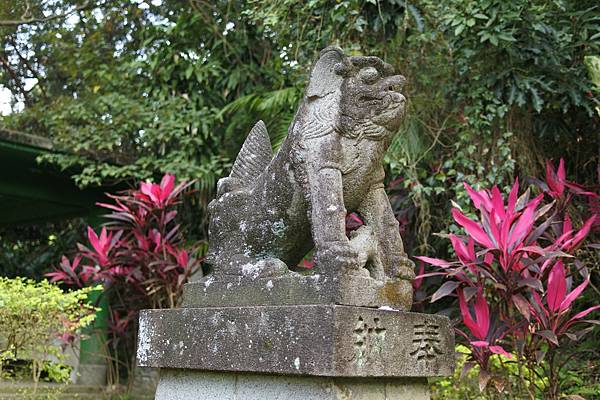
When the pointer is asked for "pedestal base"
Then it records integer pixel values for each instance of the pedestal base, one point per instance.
(317, 340)
(296, 289)
(198, 385)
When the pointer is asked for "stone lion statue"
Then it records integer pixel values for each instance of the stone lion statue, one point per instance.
(273, 209)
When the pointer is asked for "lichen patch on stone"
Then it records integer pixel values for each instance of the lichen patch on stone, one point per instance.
(145, 335)
(251, 270)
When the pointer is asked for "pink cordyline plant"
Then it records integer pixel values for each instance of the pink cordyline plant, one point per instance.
(159, 195)
(140, 247)
(514, 267)
(139, 255)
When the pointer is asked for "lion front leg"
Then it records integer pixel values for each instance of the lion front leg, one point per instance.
(377, 213)
(328, 221)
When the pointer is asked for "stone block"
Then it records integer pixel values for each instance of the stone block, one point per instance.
(293, 288)
(319, 340)
(200, 385)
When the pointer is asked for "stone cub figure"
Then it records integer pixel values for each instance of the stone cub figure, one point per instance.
(272, 210)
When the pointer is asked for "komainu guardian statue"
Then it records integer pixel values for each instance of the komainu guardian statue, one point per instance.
(273, 209)
(255, 325)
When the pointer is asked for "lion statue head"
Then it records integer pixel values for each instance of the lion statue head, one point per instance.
(360, 96)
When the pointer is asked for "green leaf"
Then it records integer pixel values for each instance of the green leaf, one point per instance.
(189, 71)
(536, 99)
(416, 16)
(506, 37)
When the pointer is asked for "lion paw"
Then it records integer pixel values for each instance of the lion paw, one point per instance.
(405, 269)
(341, 255)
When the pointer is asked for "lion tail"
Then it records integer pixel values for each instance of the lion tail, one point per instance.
(254, 157)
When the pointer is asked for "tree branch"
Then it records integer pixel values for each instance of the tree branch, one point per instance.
(4, 61)
(45, 19)
(29, 67)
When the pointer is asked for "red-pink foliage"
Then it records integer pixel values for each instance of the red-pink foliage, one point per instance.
(514, 268)
(140, 248)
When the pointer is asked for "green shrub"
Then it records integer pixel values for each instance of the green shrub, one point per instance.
(36, 318)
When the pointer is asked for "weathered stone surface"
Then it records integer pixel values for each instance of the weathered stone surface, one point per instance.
(293, 288)
(273, 209)
(322, 340)
(199, 385)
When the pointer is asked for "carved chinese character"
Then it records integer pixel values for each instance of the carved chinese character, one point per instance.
(368, 342)
(426, 341)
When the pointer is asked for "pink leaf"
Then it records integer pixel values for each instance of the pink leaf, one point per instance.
(477, 199)
(482, 313)
(465, 255)
(585, 312)
(356, 219)
(166, 185)
(472, 228)
(490, 226)
(427, 275)
(567, 226)
(93, 238)
(500, 350)
(182, 258)
(111, 207)
(56, 276)
(434, 261)
(103, 239)
(151, 190)
(488, 258)
(532, 249)
(480, 326)
(554, 184)
(579, 236)
(539, 303)
(581, 190)
(466, 315)
(487, 202)
(143, 242)
(512, 197)
(418, 281)
(170, 216)
(557, 287)
(498, 202)
(156, 191)
(524, 224)
(444, 290)
(76, 262)
(471, 249)
(566, 303)
(561, 173)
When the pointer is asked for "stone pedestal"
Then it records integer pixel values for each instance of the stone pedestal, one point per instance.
(194, 385)
(286, 344)
(293, 288)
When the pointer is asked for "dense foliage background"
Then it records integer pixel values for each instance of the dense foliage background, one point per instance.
(133, 89)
